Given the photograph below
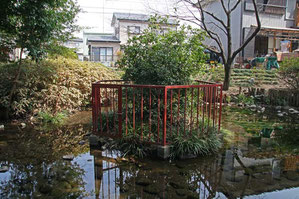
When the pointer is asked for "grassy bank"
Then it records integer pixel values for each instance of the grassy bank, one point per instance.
(50, 86)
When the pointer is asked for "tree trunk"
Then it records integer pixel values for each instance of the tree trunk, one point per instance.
(227, 71)
(14, 86)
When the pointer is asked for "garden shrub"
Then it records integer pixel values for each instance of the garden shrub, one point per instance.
(289, 70)
(51, 85)
(48, 118)
(55, 51)
(241, 98)
(171, 58)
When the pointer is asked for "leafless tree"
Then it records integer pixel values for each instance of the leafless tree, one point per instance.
(200, 15)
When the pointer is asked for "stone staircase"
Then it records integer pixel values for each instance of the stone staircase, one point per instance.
(244, 77)
(253, 77)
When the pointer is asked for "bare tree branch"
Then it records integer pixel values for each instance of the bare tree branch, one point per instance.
(223, 30)
(192, 13)
(215, 25)
(223, 6)
(212, 35)
(214, 17)
(235, 6)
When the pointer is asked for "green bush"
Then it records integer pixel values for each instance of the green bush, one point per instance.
(241, 98)
(48, 118)
(55, 51)
(51, 85)
(289, 70)
(287, 137)
(171, 58)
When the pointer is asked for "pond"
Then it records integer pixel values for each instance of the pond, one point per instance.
(260, 159)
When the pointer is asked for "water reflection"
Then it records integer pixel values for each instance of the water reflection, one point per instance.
(249, 167)
(232, 174)
(35, 169)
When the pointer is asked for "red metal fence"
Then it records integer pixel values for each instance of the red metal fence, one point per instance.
(155, 113)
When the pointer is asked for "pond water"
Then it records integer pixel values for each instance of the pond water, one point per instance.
(260, 159)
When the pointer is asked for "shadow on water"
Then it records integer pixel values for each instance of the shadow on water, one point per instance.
(259, 160)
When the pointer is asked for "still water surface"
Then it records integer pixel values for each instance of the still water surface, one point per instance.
(252, 164)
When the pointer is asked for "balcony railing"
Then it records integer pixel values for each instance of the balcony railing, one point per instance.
(103, 58)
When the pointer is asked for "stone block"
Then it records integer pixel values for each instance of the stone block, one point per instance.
(93, 140)
(163, 152)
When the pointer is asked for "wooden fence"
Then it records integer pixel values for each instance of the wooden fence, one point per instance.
(284, 97)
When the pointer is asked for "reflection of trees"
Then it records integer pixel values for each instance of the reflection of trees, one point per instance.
(288, 137)
(36, 166)
(57, 180)
(37, 147)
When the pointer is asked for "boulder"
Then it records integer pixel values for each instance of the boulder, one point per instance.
(68, 157)
(152, 189)
(277, 107)
(23, 125)
(3, 169)
(143, 181)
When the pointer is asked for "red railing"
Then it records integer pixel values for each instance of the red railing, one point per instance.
(155, 113)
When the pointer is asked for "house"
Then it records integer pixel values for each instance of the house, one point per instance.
(105, 47)
(101, 47)
(279, 26)
(77, 45)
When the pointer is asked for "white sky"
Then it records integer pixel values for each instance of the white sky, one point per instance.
(97, 14)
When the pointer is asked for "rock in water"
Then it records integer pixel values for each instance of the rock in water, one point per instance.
(82, 142)
(3, 169)
(23, 125)
(68, 157)
(143, 181)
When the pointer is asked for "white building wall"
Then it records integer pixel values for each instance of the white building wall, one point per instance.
(273, 20)
(123, 28)
(236, 28)
(85, 46)
(268, 20)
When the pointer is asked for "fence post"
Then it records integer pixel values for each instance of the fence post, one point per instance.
(94, 116)
(165, 116)
(220, 108)
(120, 111)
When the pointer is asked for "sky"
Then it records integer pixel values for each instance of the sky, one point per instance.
(96, 15)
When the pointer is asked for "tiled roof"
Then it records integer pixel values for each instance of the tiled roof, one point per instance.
(103, 38)
(136, 17)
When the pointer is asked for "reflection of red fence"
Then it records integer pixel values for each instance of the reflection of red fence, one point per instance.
(155, 112)
(112, 180)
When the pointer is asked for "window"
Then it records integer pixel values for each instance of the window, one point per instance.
(106, 54)
(268, 6)
(102, 54)
(291, 9)
(134, 29)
